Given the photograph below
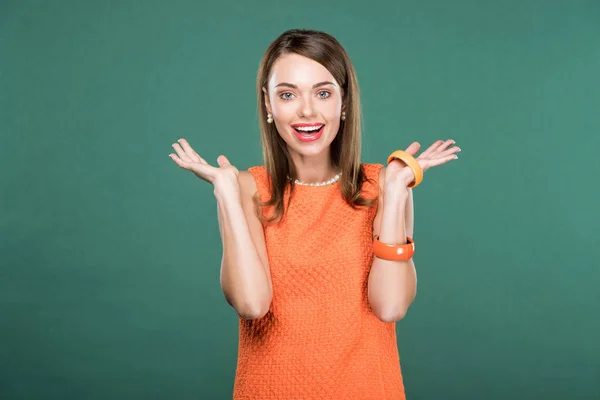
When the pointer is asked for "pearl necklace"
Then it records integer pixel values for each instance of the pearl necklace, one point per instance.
(325, 183)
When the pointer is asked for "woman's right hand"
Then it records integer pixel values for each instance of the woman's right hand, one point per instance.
(187, 158)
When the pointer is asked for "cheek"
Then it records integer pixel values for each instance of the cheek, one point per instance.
(282, 110)
(283, 117)
(334, 126)
(333, 112)
(333, 106)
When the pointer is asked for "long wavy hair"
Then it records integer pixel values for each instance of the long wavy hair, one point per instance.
(345, 148)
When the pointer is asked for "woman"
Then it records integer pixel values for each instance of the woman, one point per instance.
(313, 239)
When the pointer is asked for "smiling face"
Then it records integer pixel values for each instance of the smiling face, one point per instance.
(306, 103)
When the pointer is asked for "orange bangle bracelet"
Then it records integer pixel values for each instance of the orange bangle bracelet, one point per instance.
(412, 163)
(394, 252)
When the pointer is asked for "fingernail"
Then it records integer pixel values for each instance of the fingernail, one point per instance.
(455, 156)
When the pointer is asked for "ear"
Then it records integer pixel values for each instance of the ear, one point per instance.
(267, 102)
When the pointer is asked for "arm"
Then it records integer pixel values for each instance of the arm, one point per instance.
(245, 274)
(392, 285)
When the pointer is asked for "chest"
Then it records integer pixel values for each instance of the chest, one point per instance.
(321, 245)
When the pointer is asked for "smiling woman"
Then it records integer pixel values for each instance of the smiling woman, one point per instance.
(317, 300)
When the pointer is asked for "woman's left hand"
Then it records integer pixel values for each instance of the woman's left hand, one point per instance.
(397, 173)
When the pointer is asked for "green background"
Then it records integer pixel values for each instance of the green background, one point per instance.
(110, 254)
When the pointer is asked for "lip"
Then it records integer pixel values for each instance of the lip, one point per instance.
(312, 138)
(305, 124)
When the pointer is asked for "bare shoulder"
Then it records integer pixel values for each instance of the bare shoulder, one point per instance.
(246, 180)
(247, 183)
(382, 179)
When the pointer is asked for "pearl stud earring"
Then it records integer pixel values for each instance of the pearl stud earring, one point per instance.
(269, 118)
(343, 115)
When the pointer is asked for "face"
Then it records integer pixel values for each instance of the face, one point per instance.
(306, 103)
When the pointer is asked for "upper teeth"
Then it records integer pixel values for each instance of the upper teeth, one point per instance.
(309, 128)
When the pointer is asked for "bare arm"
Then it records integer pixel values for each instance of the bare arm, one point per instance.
(245, 277)
(392, 284)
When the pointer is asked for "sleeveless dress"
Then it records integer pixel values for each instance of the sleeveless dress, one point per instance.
(320, 338)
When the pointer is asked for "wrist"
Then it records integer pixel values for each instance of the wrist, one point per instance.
(225, 192)
(395, 195)
(407, 177)
(400, 180)
(395, 198)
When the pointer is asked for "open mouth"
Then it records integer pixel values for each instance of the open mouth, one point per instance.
(308, 133)
(309, 130)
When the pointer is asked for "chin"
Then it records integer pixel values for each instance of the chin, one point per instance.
(310, 149)
(311, 152)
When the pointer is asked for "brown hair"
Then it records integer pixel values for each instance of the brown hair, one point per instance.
(345, 148)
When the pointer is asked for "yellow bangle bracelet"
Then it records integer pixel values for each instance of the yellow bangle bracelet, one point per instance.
(411, 162)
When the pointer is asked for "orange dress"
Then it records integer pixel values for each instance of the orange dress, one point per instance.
(320, 339)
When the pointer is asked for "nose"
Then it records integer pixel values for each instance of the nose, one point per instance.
(307, 109)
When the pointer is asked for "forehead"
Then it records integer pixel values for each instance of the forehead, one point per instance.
(298, 70)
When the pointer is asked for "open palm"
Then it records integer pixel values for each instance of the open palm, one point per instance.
(440, 152)
(187, 158)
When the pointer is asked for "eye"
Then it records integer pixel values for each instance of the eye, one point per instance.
(284, 97)
(327, 94)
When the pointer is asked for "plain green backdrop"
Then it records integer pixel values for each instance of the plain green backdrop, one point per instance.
(110, 254)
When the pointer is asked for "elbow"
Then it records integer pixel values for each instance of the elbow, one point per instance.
(255, 315)
(248, 307)
(392, 315)
(249, 316)
(256, 312)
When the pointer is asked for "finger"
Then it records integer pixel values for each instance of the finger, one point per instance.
(181, 153)
(203, 171)
(445, 145)
(180, 162)
(223, 161)
(439, 161)
(413, 148)
(191, 152)
(431, 149)
(448, 152)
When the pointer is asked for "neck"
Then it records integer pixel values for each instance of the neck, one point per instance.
(314, 169)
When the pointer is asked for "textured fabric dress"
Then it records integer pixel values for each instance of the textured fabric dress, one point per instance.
(320, 339)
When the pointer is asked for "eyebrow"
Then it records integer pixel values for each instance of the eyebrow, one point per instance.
(316, 85)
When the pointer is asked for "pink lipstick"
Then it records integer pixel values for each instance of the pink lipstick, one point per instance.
(308, 132)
